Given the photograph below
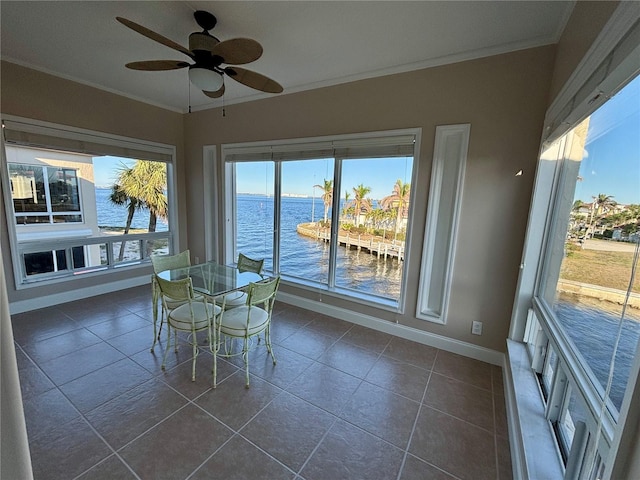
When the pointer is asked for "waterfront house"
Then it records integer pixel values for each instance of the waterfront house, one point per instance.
(512, 101)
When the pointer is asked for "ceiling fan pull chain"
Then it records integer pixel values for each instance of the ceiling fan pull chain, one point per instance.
(189, 87)
(224, 114)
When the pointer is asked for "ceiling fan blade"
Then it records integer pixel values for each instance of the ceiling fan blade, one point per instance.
(253, 80)
(216, 94)
(154, 36)
(238, 51)
(157, 65)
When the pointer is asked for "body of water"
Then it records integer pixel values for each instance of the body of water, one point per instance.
(304, 257)
(593, 330)
(110, 215)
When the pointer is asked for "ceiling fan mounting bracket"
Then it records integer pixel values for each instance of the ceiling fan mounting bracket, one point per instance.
(205, 19)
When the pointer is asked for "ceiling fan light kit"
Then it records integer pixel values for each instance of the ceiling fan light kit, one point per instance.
(205, 79)
(208, 54)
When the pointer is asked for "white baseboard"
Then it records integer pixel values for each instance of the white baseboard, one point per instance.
(438, 341)
(75, 294)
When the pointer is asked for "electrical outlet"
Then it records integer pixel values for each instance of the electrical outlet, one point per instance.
(197, 259)
(476, 328)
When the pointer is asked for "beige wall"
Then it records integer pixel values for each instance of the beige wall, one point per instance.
(504, 98)
(583, 27)
(31, 94)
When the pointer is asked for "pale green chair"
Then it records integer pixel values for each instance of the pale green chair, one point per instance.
(190, 316)
(162, 263)
(247, 321)
(245, 264)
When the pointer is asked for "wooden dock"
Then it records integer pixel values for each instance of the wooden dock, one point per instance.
(373, 245)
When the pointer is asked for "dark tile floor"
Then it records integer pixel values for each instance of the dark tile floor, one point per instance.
(343, 402)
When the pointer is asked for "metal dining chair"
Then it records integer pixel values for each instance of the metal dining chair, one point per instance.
(190, 316)
(247, 321)
(245, 264)
(162, 263)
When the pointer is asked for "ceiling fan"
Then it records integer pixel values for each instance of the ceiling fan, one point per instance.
(208, 54)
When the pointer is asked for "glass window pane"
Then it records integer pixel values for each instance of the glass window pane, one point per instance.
(126, 251)
(27, 188)
(32, 219)
(63, 190)
(61, 260)
(158, 246)
(591, 259)
(573, 412)
(39, 262)
(77, 255)
(67, 218)
(130, 195)
(550, 365)
(373, 223)
(254, 211)
(305, 219)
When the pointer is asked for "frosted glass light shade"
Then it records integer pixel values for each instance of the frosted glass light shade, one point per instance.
(205, 79)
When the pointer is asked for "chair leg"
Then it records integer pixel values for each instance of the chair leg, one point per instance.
(245, 356)
(166, 349)
(154, 300)
(267, 339)
(195, 354)
(214, 350)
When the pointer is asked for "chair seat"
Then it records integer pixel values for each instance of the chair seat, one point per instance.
(180, 318)
(235, 299)
(234, 321)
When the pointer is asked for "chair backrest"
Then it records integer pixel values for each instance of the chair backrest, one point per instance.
(263, 293)
(177, 290)
(246, 264)
(169, 262)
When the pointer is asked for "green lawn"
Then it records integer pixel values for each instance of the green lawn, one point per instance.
(602, 268)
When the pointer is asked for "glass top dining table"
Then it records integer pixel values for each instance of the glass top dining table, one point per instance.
(213, 279)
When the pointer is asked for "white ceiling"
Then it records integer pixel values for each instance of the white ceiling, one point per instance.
(307, 44)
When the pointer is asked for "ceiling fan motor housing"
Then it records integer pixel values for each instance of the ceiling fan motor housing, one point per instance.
(202, 41)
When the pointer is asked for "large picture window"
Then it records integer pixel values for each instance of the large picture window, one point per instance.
(584, 328)
(330, 214)
(79, 203)
(591, 259)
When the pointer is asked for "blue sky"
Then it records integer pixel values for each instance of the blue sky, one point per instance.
(611, 164)
(105, 169)
(380, 174)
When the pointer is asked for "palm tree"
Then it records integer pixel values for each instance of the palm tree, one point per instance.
(118, 197)
(146, 182)
(398, 201)
(604, 203)
(360, 202)
(346, 209)
(327, 196)
(601, 203)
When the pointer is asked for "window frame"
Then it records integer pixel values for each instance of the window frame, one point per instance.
(30, 133)
(50, 213)
(330, 144)
(606, 67)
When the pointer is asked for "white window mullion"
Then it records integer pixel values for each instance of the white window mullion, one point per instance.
(277, 202)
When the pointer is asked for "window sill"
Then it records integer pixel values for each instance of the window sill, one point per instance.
(533, 447)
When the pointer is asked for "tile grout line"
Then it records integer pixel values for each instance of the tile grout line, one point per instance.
(415, 421)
